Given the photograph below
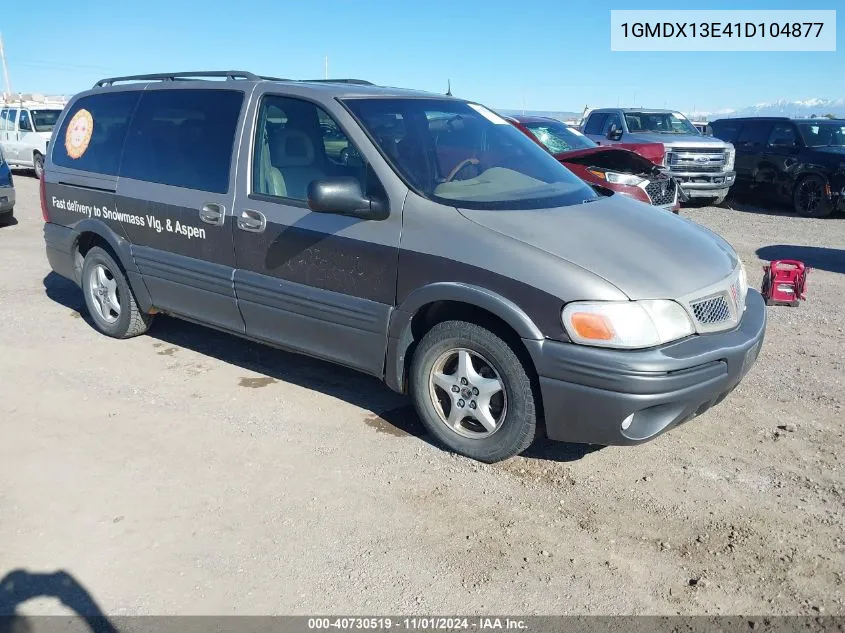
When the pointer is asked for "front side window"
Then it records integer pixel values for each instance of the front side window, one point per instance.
(45, 120)
(613, 120)
(558, 137)
(660, 123)
(183, 138)
(92, 134)
(821, 134)
(297, 142)
(462, 154)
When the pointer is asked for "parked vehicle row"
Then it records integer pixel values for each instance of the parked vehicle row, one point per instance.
(631, 169)
(702, 165)
(419, 238)
(797, 161)
(25, 130)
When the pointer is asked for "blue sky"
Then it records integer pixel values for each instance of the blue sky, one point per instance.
(547, 54)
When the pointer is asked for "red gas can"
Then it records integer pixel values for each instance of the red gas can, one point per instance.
(785, 282)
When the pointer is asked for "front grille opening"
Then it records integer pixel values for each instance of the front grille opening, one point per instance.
(661, 192)
(710, 311)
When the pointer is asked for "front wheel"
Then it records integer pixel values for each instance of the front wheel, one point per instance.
(472, 392)
(810, 198)
(109, 298)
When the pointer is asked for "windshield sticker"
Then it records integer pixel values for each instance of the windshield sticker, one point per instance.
(78, 134)
(487, 114)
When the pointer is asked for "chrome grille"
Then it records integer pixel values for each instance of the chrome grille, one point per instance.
(711, 311)
(661, 192)
(696, 159)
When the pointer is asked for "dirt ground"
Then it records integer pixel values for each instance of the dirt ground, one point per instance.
(190, 472)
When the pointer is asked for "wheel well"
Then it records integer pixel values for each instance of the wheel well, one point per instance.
(436, 312)
(85, 243)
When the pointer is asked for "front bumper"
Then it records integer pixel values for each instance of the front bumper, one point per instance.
(704, 184)
(7, 199)
(587, 392)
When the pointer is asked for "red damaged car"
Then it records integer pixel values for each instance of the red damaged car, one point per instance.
(627, 168)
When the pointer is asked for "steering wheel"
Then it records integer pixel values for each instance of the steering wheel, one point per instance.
(459, 167)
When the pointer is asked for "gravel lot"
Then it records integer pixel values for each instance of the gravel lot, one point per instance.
(190, 472)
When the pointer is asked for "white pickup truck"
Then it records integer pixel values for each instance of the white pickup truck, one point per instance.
(25, 130)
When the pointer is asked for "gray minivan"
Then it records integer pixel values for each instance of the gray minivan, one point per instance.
(419, 238)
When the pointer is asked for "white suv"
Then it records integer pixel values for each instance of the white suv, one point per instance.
(24, 133)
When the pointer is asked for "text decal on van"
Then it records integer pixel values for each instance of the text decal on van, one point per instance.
(78, 134)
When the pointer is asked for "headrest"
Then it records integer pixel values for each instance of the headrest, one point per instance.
(291, 148)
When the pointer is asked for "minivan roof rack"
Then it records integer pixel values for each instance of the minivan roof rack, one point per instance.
(228, 74)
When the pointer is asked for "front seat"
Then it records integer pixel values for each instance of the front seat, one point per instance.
(292, 156)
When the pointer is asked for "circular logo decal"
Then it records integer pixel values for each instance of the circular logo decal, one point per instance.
(78, 133)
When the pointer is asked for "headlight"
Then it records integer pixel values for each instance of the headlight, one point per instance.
(743, 279)
(617, 178)
(626, 324)
(730, 158)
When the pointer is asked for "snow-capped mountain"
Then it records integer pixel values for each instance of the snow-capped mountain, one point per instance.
(781, 107)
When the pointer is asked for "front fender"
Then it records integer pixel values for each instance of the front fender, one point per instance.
(400, 336)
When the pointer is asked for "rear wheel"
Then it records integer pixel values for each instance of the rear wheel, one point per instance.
(472, 392)
(109, 298)
(810, 199)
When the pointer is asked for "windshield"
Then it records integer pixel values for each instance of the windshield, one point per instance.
(558, 137)
(44, 120)
(660, 122)
(823, 134)
(462, 154)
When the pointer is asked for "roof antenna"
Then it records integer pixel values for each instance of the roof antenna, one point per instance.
(449, 88)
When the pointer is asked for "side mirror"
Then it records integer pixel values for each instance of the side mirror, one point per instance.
(343, 196)
(614, 133)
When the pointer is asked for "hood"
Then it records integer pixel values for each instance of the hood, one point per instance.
(654, 152)
(687, 140)
(610, 157)
(645, 252)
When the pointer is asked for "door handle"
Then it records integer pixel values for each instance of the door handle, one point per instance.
(253, 221)
(213, 213)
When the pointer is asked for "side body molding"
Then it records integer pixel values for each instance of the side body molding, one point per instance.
(400, 336)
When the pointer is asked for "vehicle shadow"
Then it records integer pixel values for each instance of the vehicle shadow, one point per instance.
(19, 586)
(10, 222)
(391, 413)
(821, 258)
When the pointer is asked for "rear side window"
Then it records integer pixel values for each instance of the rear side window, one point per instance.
(183, 138)
(95, 140)
(13, 117)
(595, 123)
(754, 133)
(727, 130)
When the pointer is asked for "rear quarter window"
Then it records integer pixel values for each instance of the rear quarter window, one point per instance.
(727, 130)
(110, 113)
(183, 138)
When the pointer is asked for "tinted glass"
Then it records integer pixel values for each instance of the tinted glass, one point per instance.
(612, 119)
(4, 115)
(13, 117)
(183, 138)
(558, 137)
(45, 120)
(822, 134)
(595, 123)
(727, 130)
(462, 154)
(24, 123)
(782, 134)
(110, 113)
(660, 123)
(754, 133)
(298, 142)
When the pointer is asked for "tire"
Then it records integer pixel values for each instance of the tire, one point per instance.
(438, 364)
(115, 313)
(809, 198)
(38, 165)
